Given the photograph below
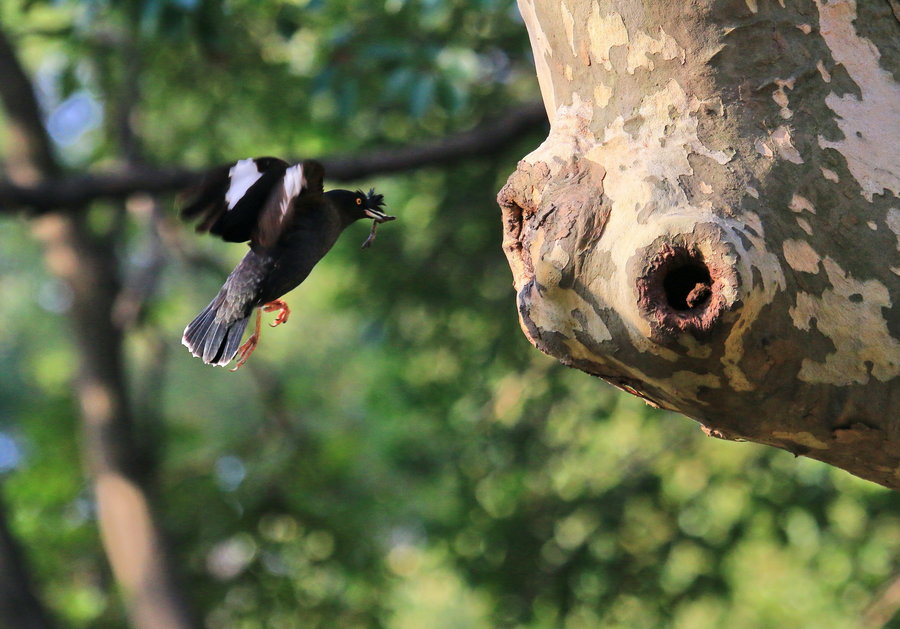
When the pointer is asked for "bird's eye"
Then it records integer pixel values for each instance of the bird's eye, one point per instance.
(358, 201)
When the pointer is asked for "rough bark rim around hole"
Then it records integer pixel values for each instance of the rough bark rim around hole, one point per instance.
(682, 290)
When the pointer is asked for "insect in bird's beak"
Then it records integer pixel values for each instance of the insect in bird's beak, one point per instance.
(379, 216)
(373, 210)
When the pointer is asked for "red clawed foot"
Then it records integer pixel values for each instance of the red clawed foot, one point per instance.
(247, 348)
(282, 317)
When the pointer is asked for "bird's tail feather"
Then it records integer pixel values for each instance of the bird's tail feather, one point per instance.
(214, 341)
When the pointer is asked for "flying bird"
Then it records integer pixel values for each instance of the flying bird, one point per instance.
(290, 223)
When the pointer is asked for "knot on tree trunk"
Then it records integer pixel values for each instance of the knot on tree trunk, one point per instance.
(670, 277)
(553, 216)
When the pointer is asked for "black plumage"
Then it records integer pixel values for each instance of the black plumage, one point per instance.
(290, 223)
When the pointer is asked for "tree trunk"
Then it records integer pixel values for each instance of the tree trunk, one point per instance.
(713, 222)
(20, 607)
(134, 542)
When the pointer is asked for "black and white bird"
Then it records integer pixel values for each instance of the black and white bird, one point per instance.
(290, 223)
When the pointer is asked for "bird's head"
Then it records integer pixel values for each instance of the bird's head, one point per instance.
(371, 205)
(358, 204)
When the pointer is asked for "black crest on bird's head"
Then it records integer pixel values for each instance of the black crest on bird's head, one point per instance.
(355, 205)
(373, 201)
(372, 205)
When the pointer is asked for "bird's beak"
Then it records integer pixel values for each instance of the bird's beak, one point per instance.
(379, 216)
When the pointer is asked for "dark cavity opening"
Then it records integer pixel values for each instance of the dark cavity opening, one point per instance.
(688, 286)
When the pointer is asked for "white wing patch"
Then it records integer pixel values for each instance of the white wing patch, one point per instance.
(242, 175)
(292, 183)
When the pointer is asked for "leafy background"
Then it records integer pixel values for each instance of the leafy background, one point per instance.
(397, 456)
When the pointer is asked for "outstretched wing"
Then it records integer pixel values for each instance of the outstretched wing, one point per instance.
(299, 180)
(229, 200)
(253, 199)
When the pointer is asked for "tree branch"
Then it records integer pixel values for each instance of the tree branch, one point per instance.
(76, 191)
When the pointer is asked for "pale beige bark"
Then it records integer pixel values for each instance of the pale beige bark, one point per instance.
(713, 221)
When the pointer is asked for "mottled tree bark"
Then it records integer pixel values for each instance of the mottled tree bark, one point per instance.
(713, 222)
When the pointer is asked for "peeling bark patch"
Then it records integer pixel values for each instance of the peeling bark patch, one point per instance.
(605, 32)
(785, 145)
(779, 141)
(871, 123)
(655, 147)
(800, 256)
(763, 148)
(855, 326)
(602, 95)
(643, 46)
(830, 175)
(687, 385)
(799, 204)
(781, 98)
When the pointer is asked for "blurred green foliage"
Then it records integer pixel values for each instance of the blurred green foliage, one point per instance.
(397, 456)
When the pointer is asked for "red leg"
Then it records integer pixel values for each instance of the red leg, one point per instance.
(282, 317)
(247, 348)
